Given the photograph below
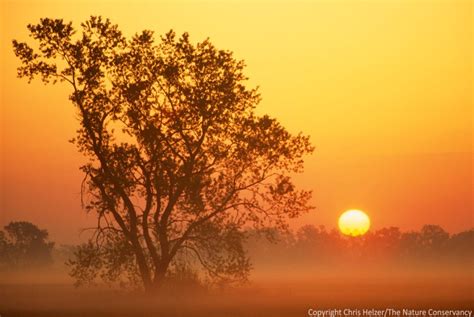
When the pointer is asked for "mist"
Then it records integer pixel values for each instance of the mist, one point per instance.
(292, 272)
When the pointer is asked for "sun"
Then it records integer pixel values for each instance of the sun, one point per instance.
(354, 223)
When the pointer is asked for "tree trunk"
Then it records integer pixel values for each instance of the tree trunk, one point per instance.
(143, 268)
(159, 277)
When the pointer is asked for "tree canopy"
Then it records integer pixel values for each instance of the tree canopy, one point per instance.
(179, 162)
(23, 244)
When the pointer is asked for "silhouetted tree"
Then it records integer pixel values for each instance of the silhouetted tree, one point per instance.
(178, 159)
(317, 241)
(383, 242)
(24, 244)
(433, 237)
(461, 245)
(270, 245)
(410, 243)
(4, 250)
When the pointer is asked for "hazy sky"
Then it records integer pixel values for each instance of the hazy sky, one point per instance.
(383, 87)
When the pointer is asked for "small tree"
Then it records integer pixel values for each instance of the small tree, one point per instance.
(23, 244)
(179, 162)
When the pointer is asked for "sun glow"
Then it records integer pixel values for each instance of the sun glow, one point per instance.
(354, 223)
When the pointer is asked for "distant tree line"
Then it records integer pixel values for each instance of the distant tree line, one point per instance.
(317, 246)
(23, 245)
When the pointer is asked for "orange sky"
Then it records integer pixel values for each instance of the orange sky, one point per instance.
(384, 88)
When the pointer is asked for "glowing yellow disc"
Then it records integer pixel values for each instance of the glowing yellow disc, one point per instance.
(354, 223)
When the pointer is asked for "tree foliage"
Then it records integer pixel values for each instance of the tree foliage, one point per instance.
(179, 161)
(23, 244)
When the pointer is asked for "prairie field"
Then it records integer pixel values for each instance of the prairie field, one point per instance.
(266, 295)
